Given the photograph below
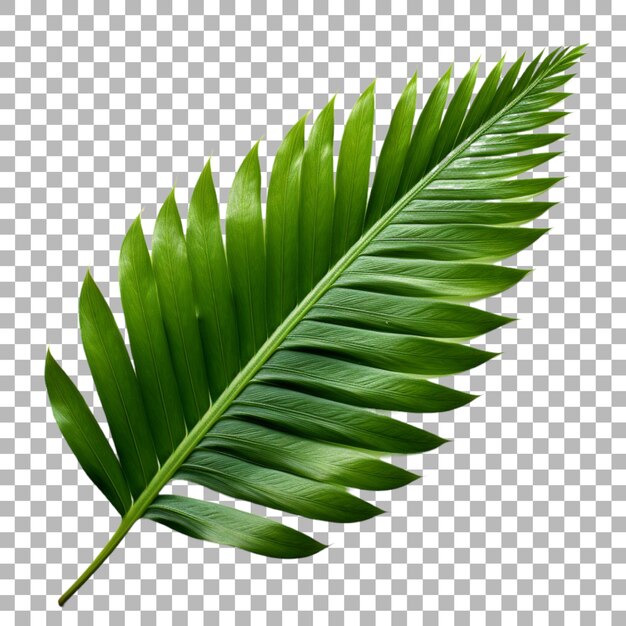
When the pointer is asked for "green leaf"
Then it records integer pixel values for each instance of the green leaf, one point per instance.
(281, 227)
(173, 279)
(392, 155)
(302, 338)
(222, 524)
(117, 387)
(353, 173)
(245, 250)
(149, 344)
(317, 198)
(85, 438)
(212, 290)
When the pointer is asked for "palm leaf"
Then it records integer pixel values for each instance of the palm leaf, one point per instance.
(260, 365)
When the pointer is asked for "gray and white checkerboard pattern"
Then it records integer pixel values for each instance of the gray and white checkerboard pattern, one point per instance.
(520, 520)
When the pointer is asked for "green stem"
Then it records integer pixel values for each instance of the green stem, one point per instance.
(113, 542)
(206, 422)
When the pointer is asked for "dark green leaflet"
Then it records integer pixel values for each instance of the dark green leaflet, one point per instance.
(495, 167)
(416, 316)
(435, 279)
(389, 351)
(311, 459)
(317, 418)
(392, 155)
(82, 433)
(359, 384)
(273, 488)
(466, 242)
(497, 145)
(453, 119)
(503, 92)
(228, 526)
(117, 387)
(213, 294)
(478, 189)
(245, 251)
(471, 212)
(353, 172)
(149, 345)
(480, 106)
(281, 227)
(424, 136)
(173, 279)
(317, 197)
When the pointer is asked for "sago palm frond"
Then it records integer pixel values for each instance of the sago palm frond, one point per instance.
(259, 364)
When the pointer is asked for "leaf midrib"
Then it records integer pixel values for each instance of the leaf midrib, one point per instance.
(208, 420)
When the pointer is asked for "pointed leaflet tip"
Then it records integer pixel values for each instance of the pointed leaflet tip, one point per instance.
(371, 87)
(207, 166)
(253, 153)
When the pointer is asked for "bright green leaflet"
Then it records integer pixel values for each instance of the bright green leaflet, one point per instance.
(280, 399)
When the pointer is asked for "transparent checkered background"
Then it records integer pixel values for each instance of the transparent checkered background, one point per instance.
(520, 520)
